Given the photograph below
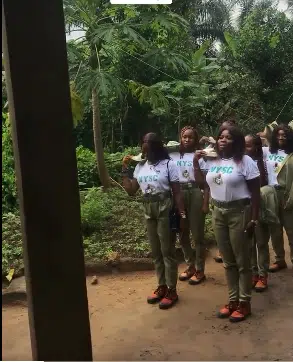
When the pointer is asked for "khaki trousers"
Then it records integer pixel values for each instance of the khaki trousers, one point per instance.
(162, 246)
(193, 202)
(269, 226)
(260, 252)
(235, 247)
(286, 221)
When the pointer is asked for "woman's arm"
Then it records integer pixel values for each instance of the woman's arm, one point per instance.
(254, 188)
(175, 186)
(130, 186)
(198, 174)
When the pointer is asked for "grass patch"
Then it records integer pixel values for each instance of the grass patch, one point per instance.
(11, 243)
(120, 229)
(112, 226)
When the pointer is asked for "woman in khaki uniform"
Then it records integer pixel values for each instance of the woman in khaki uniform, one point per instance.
(268, 218)
(204, 140)
(280, 176)
(157, 177)
(195, 206)
(233, 179)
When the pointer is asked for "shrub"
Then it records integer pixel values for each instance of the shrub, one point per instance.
(114, 162)
(9, 194)
(111, 222)
(94, 210)
(86, 167)
(121, 228)
(11, 243)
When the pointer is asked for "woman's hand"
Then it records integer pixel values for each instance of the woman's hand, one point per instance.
(250, 227)
(199, 154)
(126, 161)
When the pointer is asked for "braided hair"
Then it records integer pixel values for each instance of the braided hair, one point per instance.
(156, 151)
(196, 138)
(274, 141)
(257, 143)
(258, 155)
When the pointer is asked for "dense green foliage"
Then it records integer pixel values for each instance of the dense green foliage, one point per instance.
(156, 69)
(87, 165)
(9, 198)
(11, 243)
(112, 222)
(157, 79)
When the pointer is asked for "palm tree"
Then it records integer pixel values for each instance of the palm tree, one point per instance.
(247, 6)
(210, 19)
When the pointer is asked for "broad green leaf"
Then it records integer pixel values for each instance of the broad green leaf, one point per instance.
(231, 42)
(197, 56)
(76, 105)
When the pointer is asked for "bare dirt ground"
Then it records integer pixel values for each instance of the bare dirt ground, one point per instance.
(125, 327)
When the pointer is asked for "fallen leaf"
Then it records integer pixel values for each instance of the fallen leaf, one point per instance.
(9, 276)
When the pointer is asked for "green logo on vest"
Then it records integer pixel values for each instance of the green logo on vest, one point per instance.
(221, 169)
(182, 163)
(276, 158)
(149, 178)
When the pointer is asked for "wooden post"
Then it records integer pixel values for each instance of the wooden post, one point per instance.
(35, 59)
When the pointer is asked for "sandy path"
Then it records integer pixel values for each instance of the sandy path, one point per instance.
(125, 327)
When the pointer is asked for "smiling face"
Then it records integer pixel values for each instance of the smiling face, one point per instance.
(249, 146)
(225, 141)
(281, 138)
(188, 139)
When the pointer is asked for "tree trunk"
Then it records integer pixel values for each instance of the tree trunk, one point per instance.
(122, 120)
(102, 169)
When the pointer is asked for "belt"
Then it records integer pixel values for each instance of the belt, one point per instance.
(231, 204)
(188, 185)
(157, 197)
(278, 187)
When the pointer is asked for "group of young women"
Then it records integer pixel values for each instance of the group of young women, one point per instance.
(249, 190)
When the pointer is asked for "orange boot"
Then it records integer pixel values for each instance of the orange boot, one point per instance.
(170, 298)
(261, 285)
(197, 278)
(228, 309)
(254, 280)
(242, 312)
(158, 294)
(218, 258)
(278, 265)
(187, 274)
